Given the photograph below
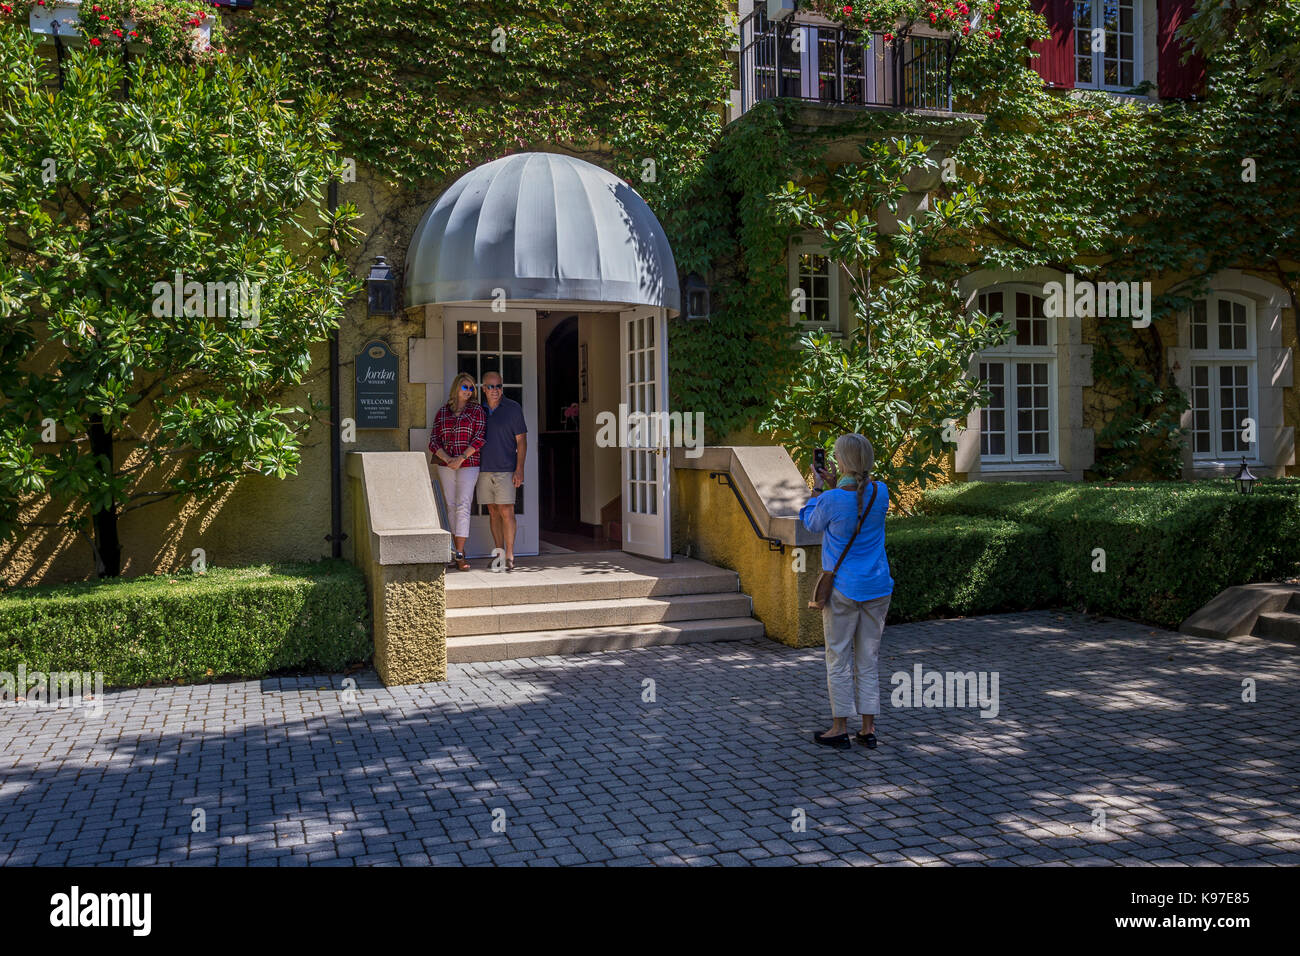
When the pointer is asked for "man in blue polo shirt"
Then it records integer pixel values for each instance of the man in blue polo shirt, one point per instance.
(501, 469)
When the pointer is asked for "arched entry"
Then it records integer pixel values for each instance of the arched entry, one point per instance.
(544, 233)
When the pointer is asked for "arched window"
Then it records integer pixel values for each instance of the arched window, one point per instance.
(1224, 387)
(1019, 422)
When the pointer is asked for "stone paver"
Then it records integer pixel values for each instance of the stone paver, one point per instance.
(1094, 715)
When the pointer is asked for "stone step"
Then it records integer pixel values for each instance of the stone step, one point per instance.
(504, 647)
(596, 576)
(508, 618)
(1280, 625)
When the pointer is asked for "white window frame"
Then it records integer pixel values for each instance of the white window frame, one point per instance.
(1213, 357)
(1008, 356)
(1097, 10)
(801, 246)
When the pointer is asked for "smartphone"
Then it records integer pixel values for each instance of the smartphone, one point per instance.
(819, 459)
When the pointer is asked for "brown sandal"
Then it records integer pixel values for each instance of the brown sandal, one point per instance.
(460, 561)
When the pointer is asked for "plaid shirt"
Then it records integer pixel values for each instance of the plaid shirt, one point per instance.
(456, 434)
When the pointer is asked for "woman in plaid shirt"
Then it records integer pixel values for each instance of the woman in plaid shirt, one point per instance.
(459, 430)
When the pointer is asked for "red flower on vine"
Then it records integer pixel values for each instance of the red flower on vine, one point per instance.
(934, 17)
(95, 41)
(103, 16)
(848, 9)
(889, 38)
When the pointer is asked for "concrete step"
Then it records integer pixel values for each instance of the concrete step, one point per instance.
(503, 647)
(595, 576)
(510, 618)
(1280, 625)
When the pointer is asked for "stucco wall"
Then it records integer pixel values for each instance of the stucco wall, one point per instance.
(709, 524)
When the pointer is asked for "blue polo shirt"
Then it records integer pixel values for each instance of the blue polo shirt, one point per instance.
(864, 575)
(500, 453)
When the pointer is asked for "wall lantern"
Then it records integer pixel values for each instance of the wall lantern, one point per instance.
(781, 9)
(379, 288)
(696, 297)
(1245, 480)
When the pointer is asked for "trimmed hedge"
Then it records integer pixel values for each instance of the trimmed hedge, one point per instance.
(1170, 546)
(226, 622)
(953, 566)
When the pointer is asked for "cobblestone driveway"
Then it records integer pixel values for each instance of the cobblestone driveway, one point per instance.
(1147, 726)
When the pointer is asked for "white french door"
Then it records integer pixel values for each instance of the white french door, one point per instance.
(478, 340)
(647, 461)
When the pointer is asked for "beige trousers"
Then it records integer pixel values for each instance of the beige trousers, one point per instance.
(853, 630)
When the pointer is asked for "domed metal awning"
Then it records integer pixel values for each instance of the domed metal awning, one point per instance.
(541, 226)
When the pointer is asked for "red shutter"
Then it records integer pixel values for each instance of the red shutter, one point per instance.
(1055, 60)
(1178, 80)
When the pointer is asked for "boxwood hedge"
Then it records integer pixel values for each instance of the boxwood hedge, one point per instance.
(1169, 546)
(242, 622)
(953, 566)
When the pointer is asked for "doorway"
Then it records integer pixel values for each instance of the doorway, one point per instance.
(577, 377)
(558, 437)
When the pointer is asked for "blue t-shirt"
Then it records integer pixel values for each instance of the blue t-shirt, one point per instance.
(864, 575)
(500, 452)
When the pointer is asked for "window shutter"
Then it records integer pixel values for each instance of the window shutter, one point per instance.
(1178, 80)
(1055, 60)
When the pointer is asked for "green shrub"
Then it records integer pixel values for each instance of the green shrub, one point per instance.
(960, 565)
(1170, 547)
(240, 622)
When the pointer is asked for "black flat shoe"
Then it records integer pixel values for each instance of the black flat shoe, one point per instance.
(839, 741)
(868, 739)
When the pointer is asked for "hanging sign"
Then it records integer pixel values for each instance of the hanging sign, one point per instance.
(376, 386)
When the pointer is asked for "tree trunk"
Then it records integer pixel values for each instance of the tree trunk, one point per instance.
(106, 540)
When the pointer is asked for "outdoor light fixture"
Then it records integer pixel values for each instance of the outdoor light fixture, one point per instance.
(469, 328)
(695, 297)
(1245, 480)
(379, 288)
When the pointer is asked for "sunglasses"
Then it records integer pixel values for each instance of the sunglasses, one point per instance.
(494, 386)
(467, 388)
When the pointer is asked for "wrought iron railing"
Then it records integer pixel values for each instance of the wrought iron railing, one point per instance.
(785, 58)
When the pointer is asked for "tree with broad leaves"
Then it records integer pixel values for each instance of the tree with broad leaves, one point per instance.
(900, 377)
(126, 201)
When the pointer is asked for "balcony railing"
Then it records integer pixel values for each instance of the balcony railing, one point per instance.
(833, 65)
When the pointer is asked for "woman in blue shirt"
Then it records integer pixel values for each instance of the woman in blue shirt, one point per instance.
(854, 617)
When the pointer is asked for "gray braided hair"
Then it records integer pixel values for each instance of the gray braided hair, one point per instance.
(855, 456)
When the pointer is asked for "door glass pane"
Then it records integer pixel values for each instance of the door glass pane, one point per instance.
(512, 336)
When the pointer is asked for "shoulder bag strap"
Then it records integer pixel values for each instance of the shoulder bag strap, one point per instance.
(845, 552)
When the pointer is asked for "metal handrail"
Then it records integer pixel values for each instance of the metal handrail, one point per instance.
(724, 478)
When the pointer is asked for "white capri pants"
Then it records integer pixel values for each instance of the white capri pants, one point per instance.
(458, 491)
(853, 630)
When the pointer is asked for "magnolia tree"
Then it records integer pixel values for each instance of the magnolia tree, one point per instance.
(900, 376)
(166, 268)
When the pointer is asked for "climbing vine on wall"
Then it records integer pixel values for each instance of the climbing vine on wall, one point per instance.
(1086, 182)
(431, 88)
